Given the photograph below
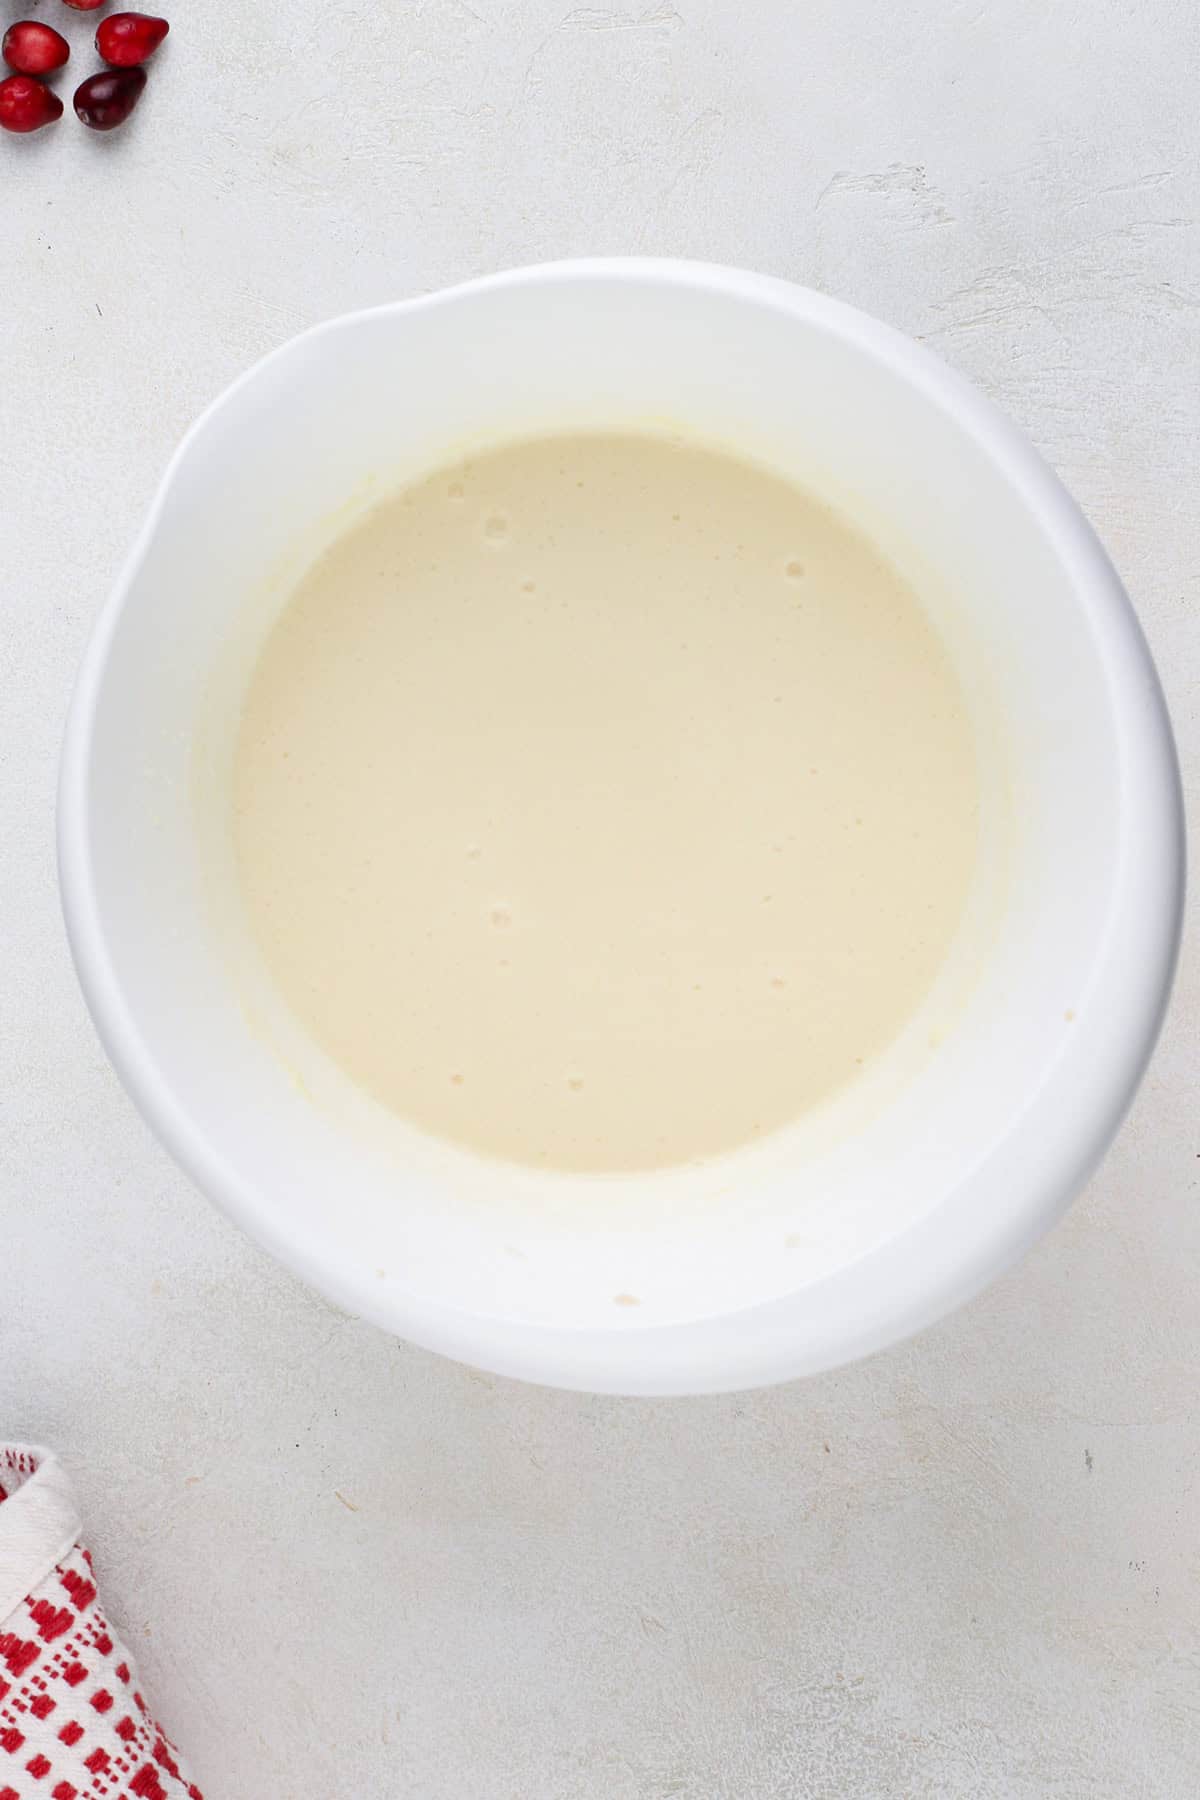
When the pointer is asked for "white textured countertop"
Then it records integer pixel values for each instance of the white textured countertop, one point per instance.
(968, 1568)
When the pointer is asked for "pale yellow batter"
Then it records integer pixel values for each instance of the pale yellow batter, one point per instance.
(603, 802)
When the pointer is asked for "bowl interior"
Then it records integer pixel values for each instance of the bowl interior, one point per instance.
(947, 1155)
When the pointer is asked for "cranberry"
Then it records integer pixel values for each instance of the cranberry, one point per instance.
(85, 5)
(127, 39)
(27, 105)
(106, 100)
(34, 49)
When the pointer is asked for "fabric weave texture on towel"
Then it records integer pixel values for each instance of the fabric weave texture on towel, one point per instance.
(73, 1723)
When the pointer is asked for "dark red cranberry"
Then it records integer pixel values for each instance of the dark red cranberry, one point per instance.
(26, 104)
(127, 39)
(106, 100)
(34, 49)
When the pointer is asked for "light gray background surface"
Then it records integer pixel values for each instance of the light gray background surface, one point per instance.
(352, 1570)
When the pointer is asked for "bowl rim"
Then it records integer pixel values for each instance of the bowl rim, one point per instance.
(927, 1269)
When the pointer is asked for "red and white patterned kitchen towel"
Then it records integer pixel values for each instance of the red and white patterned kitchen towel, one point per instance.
(73, 1724)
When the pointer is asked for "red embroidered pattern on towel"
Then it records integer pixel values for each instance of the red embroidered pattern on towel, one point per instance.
(73, 1725)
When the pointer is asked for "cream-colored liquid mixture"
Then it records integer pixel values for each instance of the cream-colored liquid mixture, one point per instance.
(604, 802)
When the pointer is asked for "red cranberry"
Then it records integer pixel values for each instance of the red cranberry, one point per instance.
(27, 105)
(106, 100)
(34, 49)
(85, 5)
(127, 39)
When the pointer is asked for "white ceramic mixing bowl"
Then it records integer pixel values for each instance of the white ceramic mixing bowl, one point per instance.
(869, 1219)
